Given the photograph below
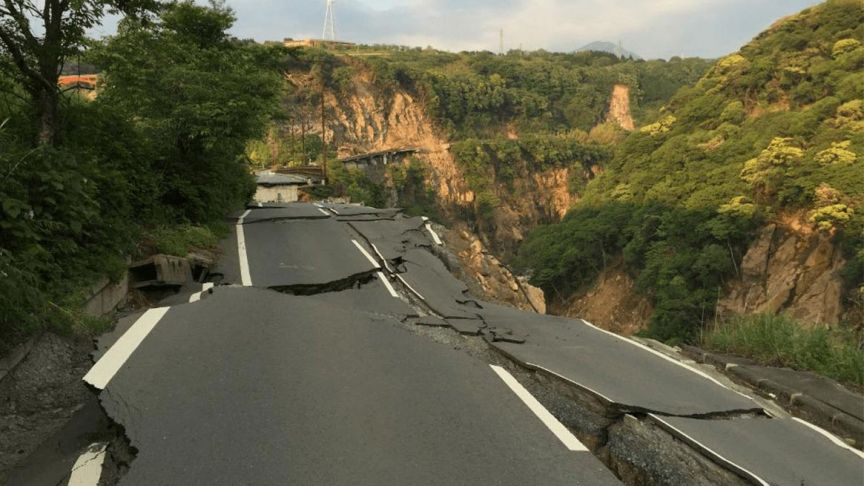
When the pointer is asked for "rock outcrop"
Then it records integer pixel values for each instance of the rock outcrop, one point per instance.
(789, 270)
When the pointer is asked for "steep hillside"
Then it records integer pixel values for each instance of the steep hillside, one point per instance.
(504, 139)
(747, 191)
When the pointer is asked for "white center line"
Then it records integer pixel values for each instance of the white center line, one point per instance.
(366, 254)
(435, 237)
(87, 470)
(197, 295)
(387, 284)
(245, 277)
(564, 435)
(113, 359)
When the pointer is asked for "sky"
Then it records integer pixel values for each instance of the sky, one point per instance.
(650, 28)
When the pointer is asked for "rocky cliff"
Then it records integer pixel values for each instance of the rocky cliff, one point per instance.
(789, 268)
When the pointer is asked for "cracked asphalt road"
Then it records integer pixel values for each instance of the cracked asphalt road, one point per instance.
(303, 372)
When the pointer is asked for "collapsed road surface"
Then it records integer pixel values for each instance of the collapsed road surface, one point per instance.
(337, 348)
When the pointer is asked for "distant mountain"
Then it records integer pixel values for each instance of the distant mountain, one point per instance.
(610, 47)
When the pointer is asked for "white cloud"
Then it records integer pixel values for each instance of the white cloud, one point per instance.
(652, 28)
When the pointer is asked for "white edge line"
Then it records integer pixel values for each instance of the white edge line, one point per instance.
(366, 254)
(710, 451)
(428, 226)
(412, 289)
(836, 440)
(113, 359)
(245, 277)
(386, 265)
(87, 470)
(325, 213)
(387, 284)
(564, 435)
(667, 358)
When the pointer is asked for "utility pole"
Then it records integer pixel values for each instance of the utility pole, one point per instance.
(501, 42)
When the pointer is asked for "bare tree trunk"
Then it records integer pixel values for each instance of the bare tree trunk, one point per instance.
(48, 117)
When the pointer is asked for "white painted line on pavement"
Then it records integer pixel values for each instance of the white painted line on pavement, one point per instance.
(366, 254)
(564, 435)
(319, 205)
(386, 265)
(387, 284)
(334, 211)
(113, 359)
(435, 237)
(245, 277)
(87, 470)
(667, 358)
(412, 289)
(197, 295)
(325, 213)
(709, 451)
(836, 440)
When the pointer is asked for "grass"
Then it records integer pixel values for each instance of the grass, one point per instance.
(181, 239)
(781, 341)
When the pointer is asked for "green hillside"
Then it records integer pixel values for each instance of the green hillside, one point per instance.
(776, 127)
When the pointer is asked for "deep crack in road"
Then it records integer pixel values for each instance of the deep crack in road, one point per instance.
(339, 349)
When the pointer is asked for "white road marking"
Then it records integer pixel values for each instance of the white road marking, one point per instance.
(667, 358)
(319, 205)
(435, 237)
(245, 277)
(197, 295)
(564, 435)
(387, 284)
(708, 450)
(334, 211)
(88, 468)
(325, 213)
(830, 436)
(366, 254)
(412, 289)
(386, 265)
(113, 359)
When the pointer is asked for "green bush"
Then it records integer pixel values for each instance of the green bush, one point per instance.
(781, 341)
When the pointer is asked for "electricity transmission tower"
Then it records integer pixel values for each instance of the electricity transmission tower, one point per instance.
(329, 23)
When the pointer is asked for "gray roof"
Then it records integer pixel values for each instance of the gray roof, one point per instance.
(271, 179)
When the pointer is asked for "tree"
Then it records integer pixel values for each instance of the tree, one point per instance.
(38, 51)
(198, 93)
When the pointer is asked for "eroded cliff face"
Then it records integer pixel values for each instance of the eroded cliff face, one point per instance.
(612, 303)
(619, 107)
(789, 269)
(364, 120)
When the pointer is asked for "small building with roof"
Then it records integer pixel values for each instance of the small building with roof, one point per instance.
(276, 188)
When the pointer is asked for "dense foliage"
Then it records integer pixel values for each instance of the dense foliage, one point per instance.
(479, 94)
(161, 145)
(775, 128)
